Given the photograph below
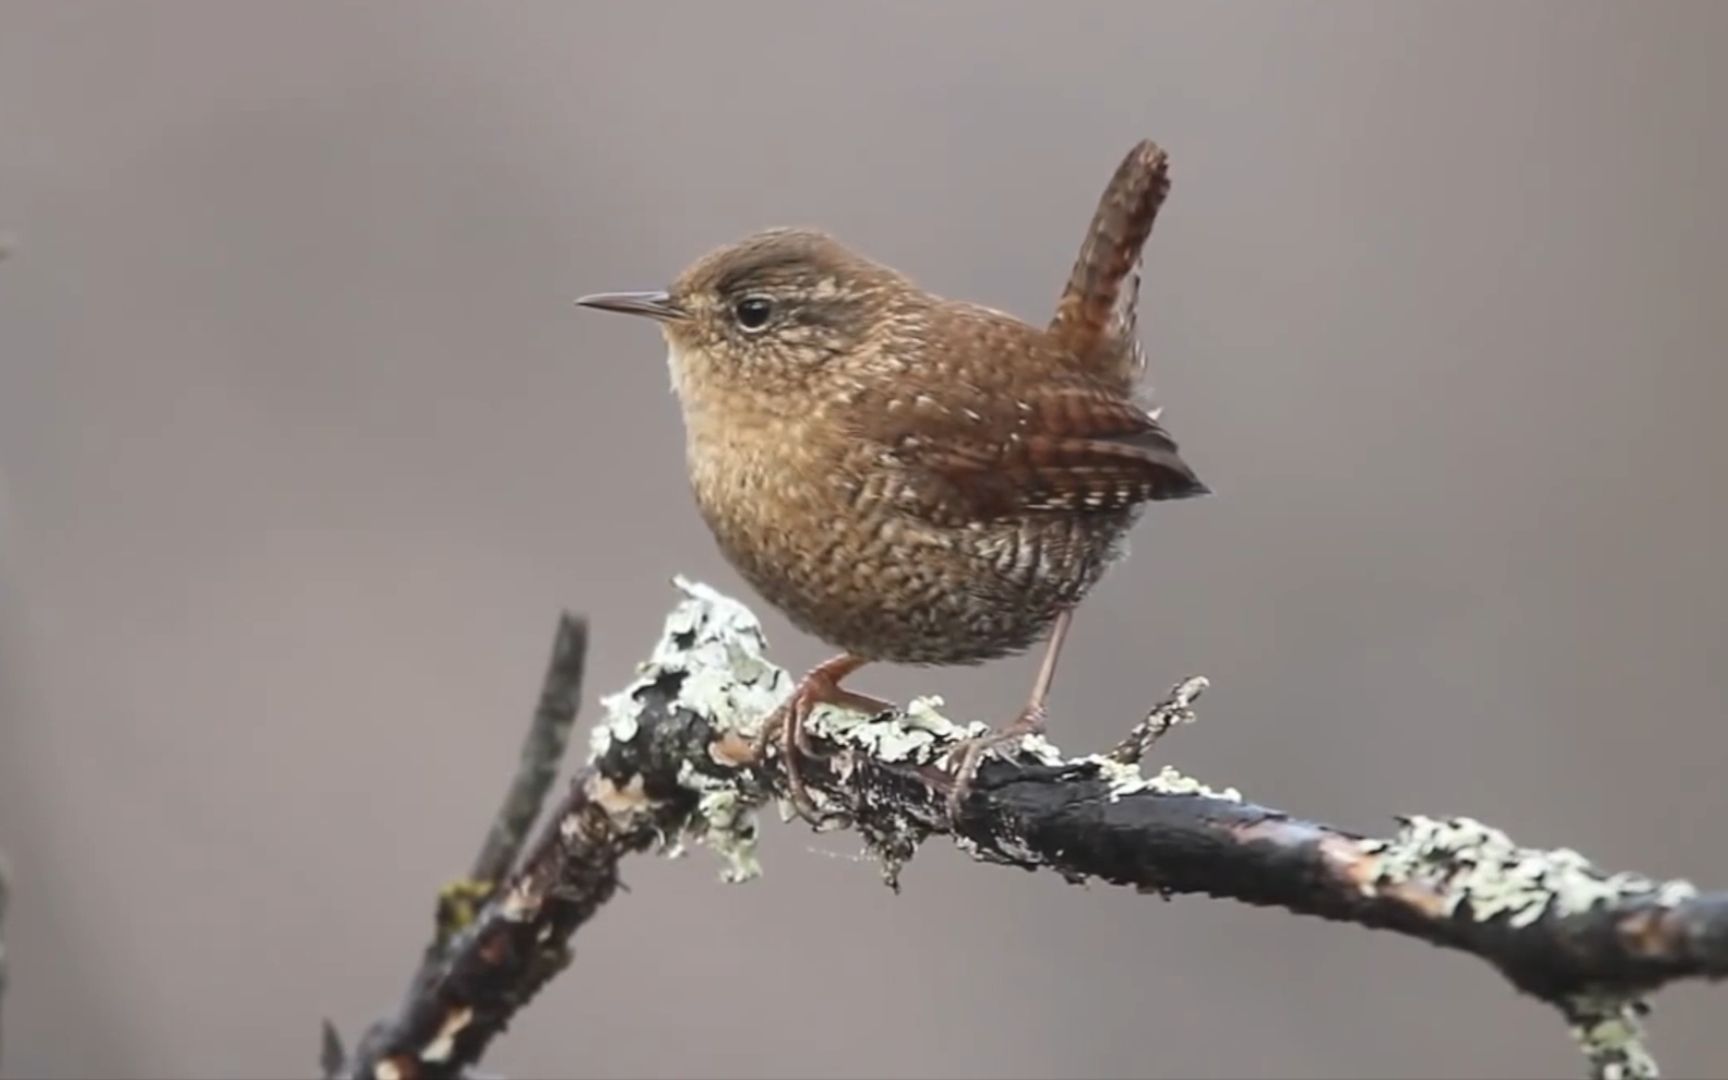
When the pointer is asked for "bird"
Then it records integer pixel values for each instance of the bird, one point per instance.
(910, 478)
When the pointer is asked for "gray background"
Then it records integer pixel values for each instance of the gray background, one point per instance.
(304, 446)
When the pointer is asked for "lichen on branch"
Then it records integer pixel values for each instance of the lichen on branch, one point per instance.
(678, 759)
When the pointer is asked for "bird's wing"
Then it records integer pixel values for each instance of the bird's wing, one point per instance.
(1071, 449)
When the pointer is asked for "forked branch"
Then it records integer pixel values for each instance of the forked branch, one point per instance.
(675, 760)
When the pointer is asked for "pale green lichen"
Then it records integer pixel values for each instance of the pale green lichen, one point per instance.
(1171, 781)
(1040, 749)
(719, 646)
(918, 734)
(724, 821)
(1461, 859)
(620, 723)
(716, 647)
(1127, 779)
(1611, 1035)
(716, 644)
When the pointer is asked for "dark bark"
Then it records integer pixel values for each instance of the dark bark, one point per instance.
(677, 759)
(1176, 844)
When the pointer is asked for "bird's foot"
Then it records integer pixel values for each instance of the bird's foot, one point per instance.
(969, 754)
(787, 726)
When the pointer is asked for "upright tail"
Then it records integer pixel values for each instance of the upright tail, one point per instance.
(1095, 319)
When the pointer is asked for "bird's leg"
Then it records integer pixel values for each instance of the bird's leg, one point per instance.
(970, 753)
(820, 687)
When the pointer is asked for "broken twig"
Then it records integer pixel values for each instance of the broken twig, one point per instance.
(675, 761)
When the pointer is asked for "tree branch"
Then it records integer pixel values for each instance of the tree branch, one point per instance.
(542, 753)
(537, 766)
(675, 760)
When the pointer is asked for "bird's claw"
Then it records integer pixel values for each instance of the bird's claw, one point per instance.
(788, 727)
(968, 755)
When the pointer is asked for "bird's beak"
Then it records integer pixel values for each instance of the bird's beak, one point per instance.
(655, 305)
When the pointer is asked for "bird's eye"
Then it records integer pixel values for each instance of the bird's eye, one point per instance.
(753, 312)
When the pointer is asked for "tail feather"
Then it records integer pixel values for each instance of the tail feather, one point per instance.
(1095, 318)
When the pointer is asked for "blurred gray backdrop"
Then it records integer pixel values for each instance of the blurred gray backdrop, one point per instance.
(304, 446)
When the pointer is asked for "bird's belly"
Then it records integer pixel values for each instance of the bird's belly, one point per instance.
(889, 587)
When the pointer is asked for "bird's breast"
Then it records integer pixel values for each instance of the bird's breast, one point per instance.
(815, 530)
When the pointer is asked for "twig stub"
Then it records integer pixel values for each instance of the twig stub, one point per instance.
(671, 762)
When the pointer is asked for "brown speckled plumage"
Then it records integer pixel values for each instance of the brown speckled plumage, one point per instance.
(909, 478)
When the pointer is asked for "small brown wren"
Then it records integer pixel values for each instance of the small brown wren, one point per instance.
(910, 478)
